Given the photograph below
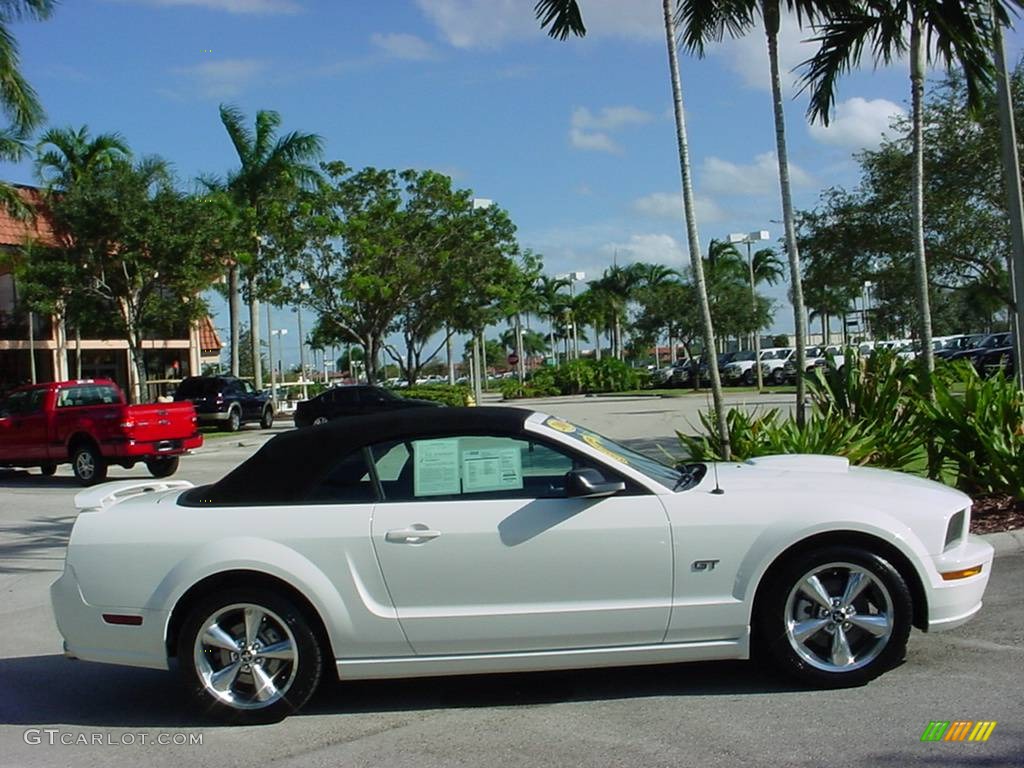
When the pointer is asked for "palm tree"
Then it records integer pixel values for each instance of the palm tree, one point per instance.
(653, 276)
(617, 286)
(269, 167)
(591, 306)
(709, 19)
(550, 301)
(959, 33)
(66, 156)
(17, 98)
(564, 17)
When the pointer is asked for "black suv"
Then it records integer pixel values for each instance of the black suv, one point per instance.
(226, 401)
(354, 400)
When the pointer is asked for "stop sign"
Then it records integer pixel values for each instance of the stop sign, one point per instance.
(513, 359)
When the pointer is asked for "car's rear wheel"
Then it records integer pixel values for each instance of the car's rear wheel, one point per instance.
(88, 464)
(267, 420)
(836, 617)
(319, 420)
(249, 656)
(163, 467)
(234, 422)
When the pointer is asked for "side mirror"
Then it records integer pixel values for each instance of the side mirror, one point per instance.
(590, 484)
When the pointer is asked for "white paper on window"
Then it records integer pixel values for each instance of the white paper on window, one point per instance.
(436, 467)
(492, 469)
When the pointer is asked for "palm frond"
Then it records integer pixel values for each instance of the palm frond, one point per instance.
(241, 138)
(700, 21)
(562, 16)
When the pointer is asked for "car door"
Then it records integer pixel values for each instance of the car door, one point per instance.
(23, 435)
(344, 402)
(251, 401)
(482, 551)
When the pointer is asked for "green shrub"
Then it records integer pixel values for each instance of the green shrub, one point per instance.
(448, 394)
(981, 431)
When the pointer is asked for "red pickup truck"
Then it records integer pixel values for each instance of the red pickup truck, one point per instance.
(89, 424)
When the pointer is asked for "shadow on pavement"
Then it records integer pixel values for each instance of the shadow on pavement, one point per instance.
(43, 690)
(39, 544)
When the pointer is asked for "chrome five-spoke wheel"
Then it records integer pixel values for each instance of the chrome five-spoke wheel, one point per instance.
(245, 656)
(249, 655)
(839, 617)
(835, 616)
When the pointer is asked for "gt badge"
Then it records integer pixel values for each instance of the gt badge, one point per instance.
(703, 565)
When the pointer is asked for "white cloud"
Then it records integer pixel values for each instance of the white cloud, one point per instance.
(403, 46)
(489, 23)
(235, 6)
(223, 78)
(747, 56)
(759, 178)
(669, 205)
(591, 131)
(858, 123)
(655, 248)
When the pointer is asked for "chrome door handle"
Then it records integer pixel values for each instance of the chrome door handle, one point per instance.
(412, 535)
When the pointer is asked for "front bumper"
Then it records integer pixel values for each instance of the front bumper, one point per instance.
(952, 603)
(88, 637)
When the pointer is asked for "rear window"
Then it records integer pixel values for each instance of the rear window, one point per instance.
(88, 394)
(198, 387)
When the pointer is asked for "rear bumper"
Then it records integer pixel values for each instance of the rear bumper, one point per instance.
(88, 637)
(140, 449)
(213, 417)
(952, 603)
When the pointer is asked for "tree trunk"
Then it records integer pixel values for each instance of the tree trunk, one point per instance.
(369, 359)
(521, 363)
(140, 390)
(771, 17)
(597, 343)
(824, 329)
(450, 347)
(1011, 161)
(235, 315)
(78, 352)
(917, 69)
(693, 238)
(254, 335)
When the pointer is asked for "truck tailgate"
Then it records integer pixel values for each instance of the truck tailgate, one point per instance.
(160, 421)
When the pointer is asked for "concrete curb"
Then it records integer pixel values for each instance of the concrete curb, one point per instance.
(1006, 542)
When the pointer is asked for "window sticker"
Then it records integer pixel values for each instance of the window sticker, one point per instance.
(595, 442)
(492, 469)
(436, 467)
(561, 426)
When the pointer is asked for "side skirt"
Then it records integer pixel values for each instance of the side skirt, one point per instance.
(537, 661)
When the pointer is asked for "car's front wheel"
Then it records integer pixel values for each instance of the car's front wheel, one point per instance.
(836, 617)
(249, 656)
(234, 422)
(267, 419)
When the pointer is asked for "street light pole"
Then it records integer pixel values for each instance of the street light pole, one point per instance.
(750, 238)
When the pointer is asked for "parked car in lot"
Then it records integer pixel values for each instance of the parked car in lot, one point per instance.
(88, 424)
(740, 369)
(946, 346)
(982, 354)
(226, 402)
(355, 400)
(504, 540)
(773, 365)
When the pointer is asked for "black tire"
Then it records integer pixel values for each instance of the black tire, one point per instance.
(163, 467)
(234, 420)
(298, 680)
(48, 470)
(779, 377)
(88, 464)
(813, 660)
(749, 378)
(267, 419)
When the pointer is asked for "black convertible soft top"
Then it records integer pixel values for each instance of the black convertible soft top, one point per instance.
(287, 466)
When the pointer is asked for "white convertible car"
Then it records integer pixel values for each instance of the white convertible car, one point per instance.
(454, 541)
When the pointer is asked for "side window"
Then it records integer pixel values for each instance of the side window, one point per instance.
(16, 404)
(370, 396)
(344, 396)
(350, 482)
(472, 467)
(248, 388)
(35, 400)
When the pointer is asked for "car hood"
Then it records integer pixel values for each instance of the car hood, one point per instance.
(829, 486)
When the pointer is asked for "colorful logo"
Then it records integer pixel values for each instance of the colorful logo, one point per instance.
(958, 730)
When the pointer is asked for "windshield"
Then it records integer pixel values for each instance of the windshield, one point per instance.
(743, 356)
(775, 354)
(655, 470)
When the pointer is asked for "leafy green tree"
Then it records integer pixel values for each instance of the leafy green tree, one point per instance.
(958, 33)
(564, 17)
(271, 167)
(139, 248)
(65, 156)
(551, 299)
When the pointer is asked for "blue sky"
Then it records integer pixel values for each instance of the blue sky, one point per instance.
(575, 139)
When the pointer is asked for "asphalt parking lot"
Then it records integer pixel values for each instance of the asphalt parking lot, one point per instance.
(719, 714)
